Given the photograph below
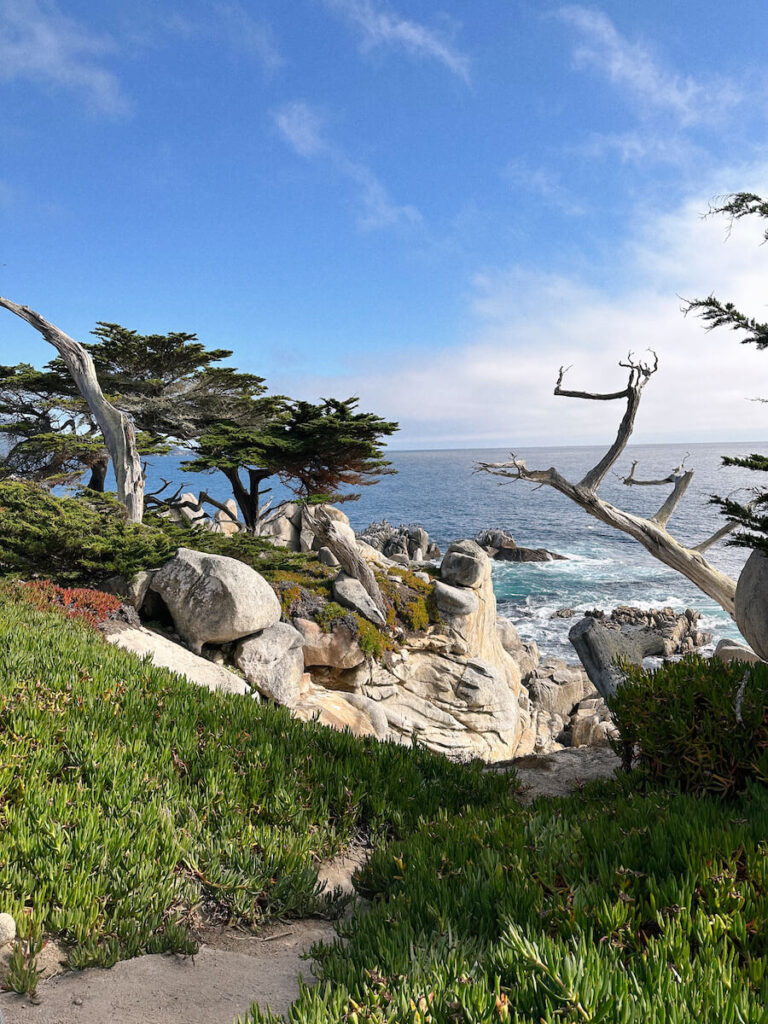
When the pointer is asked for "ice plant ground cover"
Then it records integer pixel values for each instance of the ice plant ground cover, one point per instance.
(130, 796)
(622, 904)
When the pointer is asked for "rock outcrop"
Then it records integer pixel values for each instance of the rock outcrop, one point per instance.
(166, 654)
(502, 547)
(402, 544)
(452, 687)
(630, 634)
(214, 599)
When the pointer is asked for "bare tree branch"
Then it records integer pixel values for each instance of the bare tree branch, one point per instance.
(117, 427)
(664, 514)
(651, 533)
(639, 375)
(350, 559)
(716, 536)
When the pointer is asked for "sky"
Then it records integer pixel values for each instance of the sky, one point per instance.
(430, 205)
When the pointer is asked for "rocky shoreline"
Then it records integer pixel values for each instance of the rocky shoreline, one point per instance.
(442, 670)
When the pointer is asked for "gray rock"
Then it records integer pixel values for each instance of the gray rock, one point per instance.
(214, 599)
(598, 646)
(350, 593)
(338, 649)
(556, 687)
(455, 600)
(223, 521)
(465, 564)
(166, 654)
(7, 929)
(131, 592)
(327, 557)
(732, 650)
(273, 662)
(752, 603)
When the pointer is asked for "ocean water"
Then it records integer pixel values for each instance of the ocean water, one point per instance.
(604, 568)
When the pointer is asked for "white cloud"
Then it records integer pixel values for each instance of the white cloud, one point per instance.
(39, 43)
(303, 128)
(542, 183)
(245, 33)
(233, 25)
(380, 27)
(633, 67)
(493, 387)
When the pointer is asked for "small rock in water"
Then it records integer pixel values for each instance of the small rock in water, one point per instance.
(7, 929)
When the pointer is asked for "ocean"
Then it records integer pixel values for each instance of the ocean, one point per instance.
(604, 568)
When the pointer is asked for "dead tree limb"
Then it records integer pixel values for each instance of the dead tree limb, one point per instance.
(117, 427)
(651, 533)
(347, 554)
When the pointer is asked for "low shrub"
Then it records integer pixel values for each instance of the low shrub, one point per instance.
(76, 542)
(700, 724)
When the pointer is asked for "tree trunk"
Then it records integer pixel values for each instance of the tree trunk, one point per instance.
(98, 475)
(117, 428)
(348, 556)
(652, 533)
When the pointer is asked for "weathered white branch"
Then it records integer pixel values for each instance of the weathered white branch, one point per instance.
(639, 375)
(716, 536)
(651, 533)
(348, 556)
(117, 427)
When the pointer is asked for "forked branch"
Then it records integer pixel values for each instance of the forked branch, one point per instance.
(651, 532)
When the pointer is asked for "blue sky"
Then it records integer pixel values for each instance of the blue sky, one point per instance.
(430, 204)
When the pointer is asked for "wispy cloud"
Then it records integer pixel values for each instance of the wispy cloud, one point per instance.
(633, 67)
(645, 148)
(543, 183)
(234, 26)
(492, 384)
(303, 128)
(39, 43)
(378, 26)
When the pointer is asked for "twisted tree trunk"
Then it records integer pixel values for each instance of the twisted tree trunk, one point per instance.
(652, 533)
(117, 427)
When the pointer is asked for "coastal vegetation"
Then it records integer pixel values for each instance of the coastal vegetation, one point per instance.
(130, 798)
(168, 391)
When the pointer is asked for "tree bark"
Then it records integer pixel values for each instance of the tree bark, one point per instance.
(117, 427)
(348, 556)
(98, 475)
(651, 533)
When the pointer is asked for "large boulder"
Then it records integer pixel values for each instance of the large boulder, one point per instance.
(752, 603)
(338, 649)
(455, 600)
(467, 607)
(557, 688)
(465, 564)
(226, 522)
(350, 593)
(732, 650)
(214, 599)
(461, 707)
(273, 662)
(166, 654)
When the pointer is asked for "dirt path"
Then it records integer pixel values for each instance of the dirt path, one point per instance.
(231, 970)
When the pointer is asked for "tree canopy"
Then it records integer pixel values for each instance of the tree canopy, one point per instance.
(315, 449)
(752, 516)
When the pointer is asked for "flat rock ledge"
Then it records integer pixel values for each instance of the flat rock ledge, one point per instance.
(560, 773)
